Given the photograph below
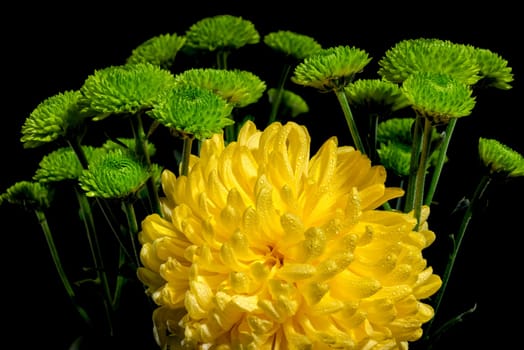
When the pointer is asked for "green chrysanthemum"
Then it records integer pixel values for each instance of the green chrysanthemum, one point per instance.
(29, 195)
(61, 164)
(55, 117)
(125, 89)
(291, 103)
(429, 55)
(298, 46)
(221, 32)
(397, 130)
(160, 50)
(114, 174)
(193, 110)
(395, 137)
(239, 88)
(494, 70)
(438, 97)
(382, 96)
(331, 68)
(128, 144)
(500, 159)
(396, 157)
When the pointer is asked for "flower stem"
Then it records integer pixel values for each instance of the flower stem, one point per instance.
(58, 264)
(414, 164)
(440, 162)
(420, 178)
(222, 56)
(479, 191)
(279, 92)
(132, 225)
(87, 218)
(143, 155)
(186, 153)
(373, 137)
(343, 101)
(120, 280)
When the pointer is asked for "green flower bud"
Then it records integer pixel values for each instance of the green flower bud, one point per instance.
(380, 96)
(192, 110)
(500, 159)
(61, 164)
(160, 50)
(494, 70)
(127, 144)
(429, 55)
(126, 89)
(395, 157)
(56, 117)
(239, 88)
(291, 103)
(331, 68)
(29, 195)
(114, 174)
(221, 32)
(292, 44)
(438, 97)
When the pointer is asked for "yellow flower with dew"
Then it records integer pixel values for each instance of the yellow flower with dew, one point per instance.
(263, 247)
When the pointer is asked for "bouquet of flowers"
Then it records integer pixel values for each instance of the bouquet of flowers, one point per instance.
(197, 185)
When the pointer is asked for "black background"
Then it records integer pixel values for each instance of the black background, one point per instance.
(49, 49)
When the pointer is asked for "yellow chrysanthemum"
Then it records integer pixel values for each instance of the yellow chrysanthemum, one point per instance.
(263, 247)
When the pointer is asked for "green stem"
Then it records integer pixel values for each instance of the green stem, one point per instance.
(58, 264)
(373, 130)
(92, 237)
(79, 151)
(222, 59)
(143, 155)
(186, 154)
(279, 92)
(414, 163)
(441, 160)
(398, 204)
(421, 171)
(479, 191)
(120, 280)
(132, 225)
(343, 101)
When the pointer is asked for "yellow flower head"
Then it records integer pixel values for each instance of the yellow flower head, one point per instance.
(263, 247)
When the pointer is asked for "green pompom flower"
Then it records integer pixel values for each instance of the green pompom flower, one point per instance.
(29, 195)
(291, 103)
(159, 50)
(223, 32)
(331, 68)
(127, 144)
(500, 159)
(58, 116)
(438, 97)
(429, 55)
(192, 110)
(113, 175)
(494, 70)
(61, 164)
(239, 88)
(396, 157)
(395, 137)
(397, 130)
(298, 46)
(125, 89)
(381, 96)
